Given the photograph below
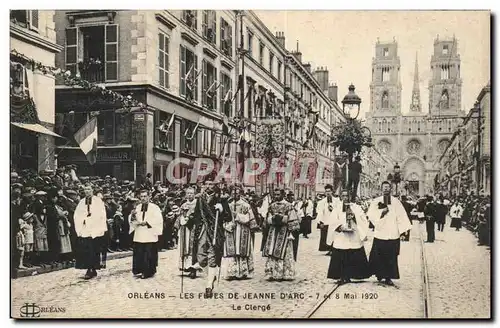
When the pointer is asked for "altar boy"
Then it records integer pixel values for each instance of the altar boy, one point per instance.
(146, 221)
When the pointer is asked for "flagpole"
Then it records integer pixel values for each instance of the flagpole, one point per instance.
(242, 92)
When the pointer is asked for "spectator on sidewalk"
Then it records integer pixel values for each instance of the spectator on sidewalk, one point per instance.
(430, 219)
(441, 211)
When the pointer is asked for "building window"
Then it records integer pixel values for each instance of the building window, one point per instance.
(249, 42)
(444, 102)
(445, 72)
(189, 74)
(385, 100)
(19, 77)
(210, 85)
(165, 134)
(261, 53)
(279, 70)
(386, 52)
(209, 25)
(226, 95)
(163, 60)
(93, 52)
(113, 128)
(445, 49)
(25, 18)
(226, 38)
(385, 74)
(271, 61)
(189, 136)
(190, 18)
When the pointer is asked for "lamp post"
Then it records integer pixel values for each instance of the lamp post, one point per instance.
(350, 106)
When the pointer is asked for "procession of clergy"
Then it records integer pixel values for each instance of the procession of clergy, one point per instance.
(216, 233)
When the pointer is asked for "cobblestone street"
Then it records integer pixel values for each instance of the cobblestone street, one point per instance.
(458, 271)
(369, 299)
(459, 274)
(108, 294)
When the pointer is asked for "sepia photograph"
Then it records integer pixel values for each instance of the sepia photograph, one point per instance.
(250, 164)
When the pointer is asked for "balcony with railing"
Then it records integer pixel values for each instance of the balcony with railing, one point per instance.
(92, 70)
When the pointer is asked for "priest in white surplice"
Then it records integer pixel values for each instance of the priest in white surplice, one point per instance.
(389, 217)
(147, 222)
(348, 230)
(324, 209)
(90, 226)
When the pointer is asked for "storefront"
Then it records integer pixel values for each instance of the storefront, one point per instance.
(116, 162)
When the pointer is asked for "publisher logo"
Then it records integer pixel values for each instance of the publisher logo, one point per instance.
(30, 310)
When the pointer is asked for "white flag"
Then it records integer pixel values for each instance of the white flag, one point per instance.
(226, 97)
(189, 72)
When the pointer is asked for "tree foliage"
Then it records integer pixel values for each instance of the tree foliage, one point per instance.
(350, 136)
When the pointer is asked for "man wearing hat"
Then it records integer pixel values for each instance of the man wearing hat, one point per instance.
(355, 169)
(90, 225)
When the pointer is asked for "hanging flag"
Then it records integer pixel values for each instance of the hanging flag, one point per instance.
(211, 86)
(170, 122)
(189, 72)
(194, 130)
(244, 136)
(248, 92)
(86, 138)
(225, 125)
(226, 97)
(186, 131)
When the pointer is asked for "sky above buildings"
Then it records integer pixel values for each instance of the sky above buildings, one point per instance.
(344, 42)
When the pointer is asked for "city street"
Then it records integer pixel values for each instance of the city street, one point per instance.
(108, 295)
(459, 287)
(459, 274)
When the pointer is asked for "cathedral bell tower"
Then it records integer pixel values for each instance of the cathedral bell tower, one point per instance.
(385, 88)
(445, 87)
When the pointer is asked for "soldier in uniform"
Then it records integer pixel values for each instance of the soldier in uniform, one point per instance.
(238, 244)
(278, 248)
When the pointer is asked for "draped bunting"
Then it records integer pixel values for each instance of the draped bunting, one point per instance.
(70, 79)
(306, 157)
(23, 110)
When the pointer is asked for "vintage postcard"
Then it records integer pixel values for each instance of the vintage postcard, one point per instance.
(250, 164)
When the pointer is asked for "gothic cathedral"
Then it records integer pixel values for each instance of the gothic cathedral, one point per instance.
(415, 140)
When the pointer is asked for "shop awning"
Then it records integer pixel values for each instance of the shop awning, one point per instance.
(36, 128)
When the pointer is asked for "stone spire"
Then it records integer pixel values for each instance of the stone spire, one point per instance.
(415, 95)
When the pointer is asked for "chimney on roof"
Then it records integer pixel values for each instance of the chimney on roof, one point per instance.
(321, 75)
(297, 54)
(280, 36)
(333, 92)
(307, 67)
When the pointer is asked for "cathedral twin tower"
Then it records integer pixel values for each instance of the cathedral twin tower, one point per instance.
(415, 139)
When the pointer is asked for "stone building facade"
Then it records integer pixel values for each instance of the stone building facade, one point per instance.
(463, 166)
(182, 64)
(415, 140)
(32, 35)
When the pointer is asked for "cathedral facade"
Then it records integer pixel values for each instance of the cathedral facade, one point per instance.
(415, 140)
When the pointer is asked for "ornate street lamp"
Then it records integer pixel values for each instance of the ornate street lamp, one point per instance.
(351, 104)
